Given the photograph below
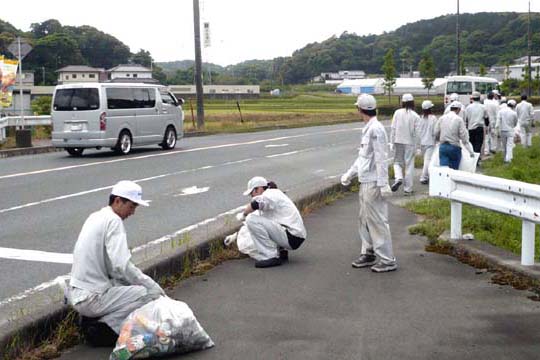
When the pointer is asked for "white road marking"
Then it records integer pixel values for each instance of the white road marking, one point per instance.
(319, 171)
(61, 280)
(282, 154)
(193, 190)
(35, 255)
(63, 197)
(43, 171)
(276, 145)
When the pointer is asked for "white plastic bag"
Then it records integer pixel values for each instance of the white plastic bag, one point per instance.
(467, 162)
(163, 326)
(246, 245)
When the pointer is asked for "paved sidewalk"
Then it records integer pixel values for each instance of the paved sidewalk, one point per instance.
(318, 307)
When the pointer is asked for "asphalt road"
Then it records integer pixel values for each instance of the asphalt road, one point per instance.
(44, 199)
(317, 306)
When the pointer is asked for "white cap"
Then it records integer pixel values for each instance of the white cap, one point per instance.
(407, 97)
(503, 99)
(454, 97)
(255, 182)
(512, 102)
(427, 104)
(475, 95)
(455, 105)
(366, 102)
(495, 91)
(129, 190)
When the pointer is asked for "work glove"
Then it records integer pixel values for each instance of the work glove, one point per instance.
(240, 216)
(386, 190)
(345, 181)
(230, 239)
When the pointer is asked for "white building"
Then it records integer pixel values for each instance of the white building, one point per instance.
(403, 86)
(130, 72)
(518, 71)
(80, 73)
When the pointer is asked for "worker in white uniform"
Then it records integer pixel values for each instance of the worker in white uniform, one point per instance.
(525, 113)
(492, 109)
(403, 139)
(371, 168)
(455, 97)
(475, 120)
(105, 284)
(426, 133)
(451, 132)
(506, 122)
(273, 221)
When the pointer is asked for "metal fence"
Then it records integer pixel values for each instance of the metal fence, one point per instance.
(16, 121)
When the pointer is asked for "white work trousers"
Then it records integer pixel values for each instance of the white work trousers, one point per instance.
(507, 139)
(525, 135)
(404, 159)
(114, 305)
(267, 235)
(427, 150)
(373, 225)
(491, 140)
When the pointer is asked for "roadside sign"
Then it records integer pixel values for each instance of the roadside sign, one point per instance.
(25, 48)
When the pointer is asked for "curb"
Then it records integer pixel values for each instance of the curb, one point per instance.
(27, 321)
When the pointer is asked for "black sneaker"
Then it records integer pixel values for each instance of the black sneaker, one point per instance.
(381, 267)
(424, 181)
(283, 255)
(395, 186)
(364, 260)
(268, 263)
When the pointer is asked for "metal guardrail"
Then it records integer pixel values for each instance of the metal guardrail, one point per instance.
(509, 197)
(28, 121)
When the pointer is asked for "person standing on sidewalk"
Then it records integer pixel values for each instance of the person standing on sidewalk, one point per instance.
(475, 119)
(426, 132)
(273, 221)
(371, 168)
(105, 285)
(403, 140)
(506, 122)
(492, 109)
(450, 131)
(525, 113)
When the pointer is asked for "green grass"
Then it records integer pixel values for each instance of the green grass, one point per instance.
(494, 228)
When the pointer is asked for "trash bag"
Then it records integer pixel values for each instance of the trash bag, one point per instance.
(161, 327)
(245, 244)
(467, 162)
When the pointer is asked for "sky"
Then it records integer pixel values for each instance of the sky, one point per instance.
(243, 29)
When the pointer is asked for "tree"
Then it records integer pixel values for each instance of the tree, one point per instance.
(42, 105)
(389, 70)
(427, 71)
(143, 58)
(407, 59)
(482, 71)
(45, 28)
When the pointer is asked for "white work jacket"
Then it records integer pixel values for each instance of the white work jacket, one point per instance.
(371, 164)
(474, 115)
(506, 120)
(426, 130)
(525, 113)
(451, 129)
(403, 128)
(276, 206)
(492, 109)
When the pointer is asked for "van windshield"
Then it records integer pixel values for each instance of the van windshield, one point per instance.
(76, 99)
(459, 87)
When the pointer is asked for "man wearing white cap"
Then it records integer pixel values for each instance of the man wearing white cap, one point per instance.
(475, 120)
(371, 168)
(426, 133)
(492, 109)
(105, 285)
(403, 139)
(525, 113)
(273, 221)
(507, 120)
(455, 97)
(451, 132)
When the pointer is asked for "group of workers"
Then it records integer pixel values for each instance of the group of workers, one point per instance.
(106, 286)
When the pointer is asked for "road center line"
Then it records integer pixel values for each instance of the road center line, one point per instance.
(35, 255)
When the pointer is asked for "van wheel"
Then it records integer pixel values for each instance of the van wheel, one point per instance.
(75, 151)
(169, 140)
(123, 145)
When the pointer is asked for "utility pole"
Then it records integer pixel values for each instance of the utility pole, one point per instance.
(458, 55)
(529, 82)
(43, 75)
(198, 66)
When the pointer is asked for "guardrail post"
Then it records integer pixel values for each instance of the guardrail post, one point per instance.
(455, 221)
(527, 243)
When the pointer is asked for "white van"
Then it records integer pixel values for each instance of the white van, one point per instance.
(115, 115)
(465, 85)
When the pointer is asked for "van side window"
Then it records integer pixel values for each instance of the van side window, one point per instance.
(76, 99)
(120, 98)
(459, 87)
(167, 98)
(144, 98)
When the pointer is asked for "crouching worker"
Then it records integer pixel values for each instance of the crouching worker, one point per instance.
(371, 167)
(105, 286)
(273, 221)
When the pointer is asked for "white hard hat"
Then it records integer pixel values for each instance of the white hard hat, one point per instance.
(366, 102)
(454, 97)
(255, 182)
(427, 104)
(129, 190)
(512, 103)
(407, 98)
(455, 105)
